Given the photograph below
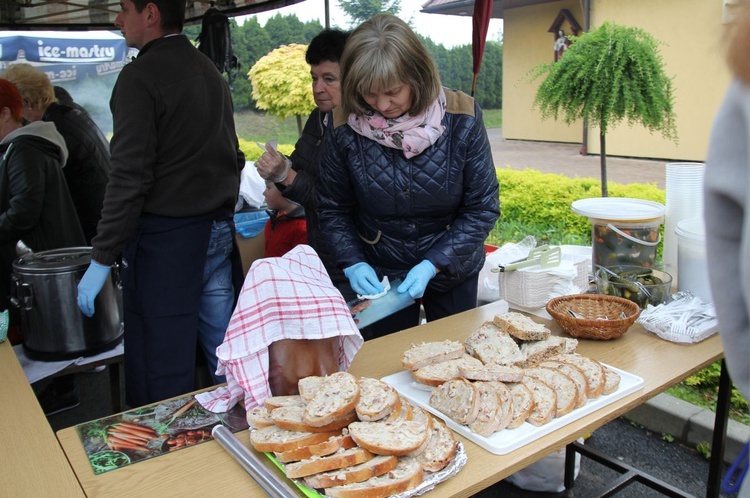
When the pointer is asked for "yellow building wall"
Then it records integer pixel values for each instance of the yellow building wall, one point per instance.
(691, 32)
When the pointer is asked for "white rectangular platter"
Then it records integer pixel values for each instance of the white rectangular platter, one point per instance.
(508, 440)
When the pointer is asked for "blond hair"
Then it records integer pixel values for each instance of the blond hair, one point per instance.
(381, 53)
(738, 43)
(33, 84)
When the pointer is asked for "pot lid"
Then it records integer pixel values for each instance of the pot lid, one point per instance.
(618, 208)
(55, 260)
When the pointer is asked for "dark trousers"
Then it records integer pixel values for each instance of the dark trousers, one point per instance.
(162, 271)
(436, 304)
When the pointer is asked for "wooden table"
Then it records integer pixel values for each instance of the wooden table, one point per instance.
(207, 469)
(33, 464)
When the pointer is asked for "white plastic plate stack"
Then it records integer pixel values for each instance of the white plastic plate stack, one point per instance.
(684, 200)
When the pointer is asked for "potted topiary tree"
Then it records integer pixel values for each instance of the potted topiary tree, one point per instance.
(609, 74)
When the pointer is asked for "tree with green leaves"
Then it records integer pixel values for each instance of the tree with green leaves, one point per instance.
(282, 84)
(610, 74)
(359, 11)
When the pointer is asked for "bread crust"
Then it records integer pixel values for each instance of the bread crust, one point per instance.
(535, 352)
(337, 396)
(376, 466)
(274, 438)
(566, 391)
(437, 374)
(523, 404)
(408, 474)
(376, 399)
(593, 370)
(521, 326)
(428, 353)
(259, 417)
(575, 374)
(505, 413)
(611, 381)
(278, 401)
(291, 418)
(545, 401)
(331, 445)
(390, 438)
(489, 405)
(458, 399)
(440, 450)
(338, 460)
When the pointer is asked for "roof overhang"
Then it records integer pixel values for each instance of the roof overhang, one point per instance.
(466, 7)
(100, 14)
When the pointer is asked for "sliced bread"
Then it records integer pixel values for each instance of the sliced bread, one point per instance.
(376, 466)
(575, 374)
(505, 414)
(491, 372)
(390, 438)
(278, 401)
(276, 439)
(376, 399)
(611, 381)
(566, 390)
(259, 417)
(545, 401)
(458, 399)
(292, 418)
(402, 411)
(338, 460)
(523, 404)
(429, 353)
(408, 474)
(440, 450)
(535, 352)
(434, 375)
(331, 445)
(309, 386)
(592, 369)
(521, 326)
(489, 405)
(337, 396)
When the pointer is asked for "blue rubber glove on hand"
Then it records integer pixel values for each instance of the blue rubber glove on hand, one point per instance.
(363, 279)
(90, 286)
(417, 278)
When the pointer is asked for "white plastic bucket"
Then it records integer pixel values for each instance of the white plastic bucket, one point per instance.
(692, 265)
(624, 231)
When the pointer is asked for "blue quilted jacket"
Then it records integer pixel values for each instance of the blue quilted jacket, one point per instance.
(377, 206)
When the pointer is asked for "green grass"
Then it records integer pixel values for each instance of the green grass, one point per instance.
(262, 127)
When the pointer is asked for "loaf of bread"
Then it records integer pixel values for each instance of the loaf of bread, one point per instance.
(376, 399)
(338, 460)
(491, 372)
(611, 381)
(331, 445)
(337, 396)
(592, 369)
(521, 326)
(566, 390)
(575, 374)
(390, 438)
(376, 466)
(505, 414)
(276, 439)
(458, 399)
(434, 375)
(485, 422)
(440, 450)
(535, 352)
(523, 404)
(545, 401)
(292, 418)
(429, 353)
(408, 474)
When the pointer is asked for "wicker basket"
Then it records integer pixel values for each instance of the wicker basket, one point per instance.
(591, 306)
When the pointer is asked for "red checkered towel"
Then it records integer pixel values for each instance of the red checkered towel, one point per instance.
(290, 297)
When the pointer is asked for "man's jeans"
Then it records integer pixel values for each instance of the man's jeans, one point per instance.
(217, 300)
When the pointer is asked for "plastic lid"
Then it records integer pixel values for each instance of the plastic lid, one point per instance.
(691, 229)
(618, 208)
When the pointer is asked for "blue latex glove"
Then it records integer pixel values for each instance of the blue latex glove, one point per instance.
(417, 278)
(363, 279)
(90, 286)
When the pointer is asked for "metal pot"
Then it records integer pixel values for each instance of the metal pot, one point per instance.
(44, 286)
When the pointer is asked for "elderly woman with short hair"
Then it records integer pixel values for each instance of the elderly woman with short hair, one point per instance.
(408, 188)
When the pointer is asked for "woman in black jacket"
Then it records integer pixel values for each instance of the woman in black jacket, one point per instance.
(407, 189)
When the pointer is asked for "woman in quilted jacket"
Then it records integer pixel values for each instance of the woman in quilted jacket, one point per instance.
(408, 188)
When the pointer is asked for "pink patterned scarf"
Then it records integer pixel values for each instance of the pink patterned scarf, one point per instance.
(412, 134)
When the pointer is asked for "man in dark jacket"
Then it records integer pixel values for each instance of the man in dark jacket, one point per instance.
(87, 168)
(169, 205)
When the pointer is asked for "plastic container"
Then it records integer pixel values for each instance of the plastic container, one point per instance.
(692, 266)
(639, 284)
(250, 223)
(624, 231)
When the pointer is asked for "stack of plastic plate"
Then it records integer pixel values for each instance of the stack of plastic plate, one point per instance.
(684, 200)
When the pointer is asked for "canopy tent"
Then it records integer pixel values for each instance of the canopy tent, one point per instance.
(100, 14)
(66, 56)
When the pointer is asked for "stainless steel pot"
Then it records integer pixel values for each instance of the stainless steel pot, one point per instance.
(45, 288)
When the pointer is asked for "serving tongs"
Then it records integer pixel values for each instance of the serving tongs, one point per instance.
(543, 256)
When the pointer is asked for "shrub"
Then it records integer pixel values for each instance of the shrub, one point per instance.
(253, 152)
